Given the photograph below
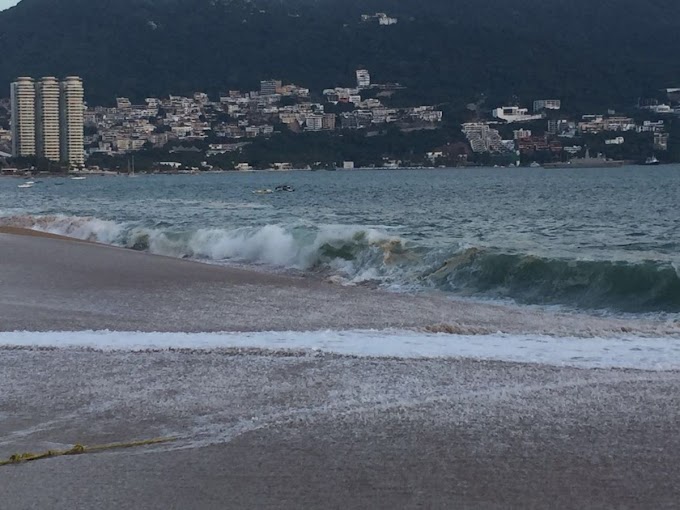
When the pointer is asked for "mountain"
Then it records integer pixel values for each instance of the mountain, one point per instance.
(604, 53)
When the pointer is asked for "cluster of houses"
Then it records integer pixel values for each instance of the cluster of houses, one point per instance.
(486, 136)
(239, 116)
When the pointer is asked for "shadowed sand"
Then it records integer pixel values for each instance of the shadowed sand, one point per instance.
(260, 429)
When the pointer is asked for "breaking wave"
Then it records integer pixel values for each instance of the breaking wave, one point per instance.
(356, 254)
(643, 286)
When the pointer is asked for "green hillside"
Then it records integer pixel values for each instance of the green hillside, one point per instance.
(604, 53)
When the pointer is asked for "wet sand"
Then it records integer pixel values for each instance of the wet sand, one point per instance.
(278, 431)
(258, 429)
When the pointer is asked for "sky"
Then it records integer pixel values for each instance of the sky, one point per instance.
(5, 4)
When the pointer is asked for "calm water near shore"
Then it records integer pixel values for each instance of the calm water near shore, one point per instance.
(606, 239)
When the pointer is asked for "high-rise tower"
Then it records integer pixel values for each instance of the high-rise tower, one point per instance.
(22, 93)
(363, 78)
(71, 120)
(47, 118)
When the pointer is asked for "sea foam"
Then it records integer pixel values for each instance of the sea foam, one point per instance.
(654, 354)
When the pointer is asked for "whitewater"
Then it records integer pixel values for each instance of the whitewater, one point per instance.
(626, 351)
(605, 240)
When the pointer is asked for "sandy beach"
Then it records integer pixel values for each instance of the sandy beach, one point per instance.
(278, 429)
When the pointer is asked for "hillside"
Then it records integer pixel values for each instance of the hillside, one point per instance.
(604, 53)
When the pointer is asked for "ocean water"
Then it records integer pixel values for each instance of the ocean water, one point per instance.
(596, 240)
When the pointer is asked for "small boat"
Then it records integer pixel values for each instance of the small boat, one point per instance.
(286, 188)
(652, 161)
(263, 192)
(30, 182)
(26, 185)
(79, 178)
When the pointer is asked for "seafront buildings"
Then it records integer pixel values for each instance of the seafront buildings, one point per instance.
(214, 132)
(22, 98)
(48, 119)
(71, 120)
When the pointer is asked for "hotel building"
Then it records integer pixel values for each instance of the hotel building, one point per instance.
(22, 97)
(48, 119)
(72, 121)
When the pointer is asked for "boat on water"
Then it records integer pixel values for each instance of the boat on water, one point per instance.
(285, 187)
(600, 161)
(25, 185)
(652, 161)
(78, 178)
(263, 192)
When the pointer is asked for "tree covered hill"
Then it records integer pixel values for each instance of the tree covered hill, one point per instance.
(603, 53)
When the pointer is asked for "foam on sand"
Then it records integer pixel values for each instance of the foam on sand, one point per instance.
(621, 352)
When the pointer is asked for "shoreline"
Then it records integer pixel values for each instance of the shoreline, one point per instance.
(23, 174)
(271, 428)
(20, 231)
(53, 283)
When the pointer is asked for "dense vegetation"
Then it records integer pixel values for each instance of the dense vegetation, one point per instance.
(591, 54)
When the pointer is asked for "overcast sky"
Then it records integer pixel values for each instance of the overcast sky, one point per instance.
(4, 4)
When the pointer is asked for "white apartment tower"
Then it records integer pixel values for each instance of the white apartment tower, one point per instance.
(22, 93)
(363, 79)
(47, 92)
(71, 119)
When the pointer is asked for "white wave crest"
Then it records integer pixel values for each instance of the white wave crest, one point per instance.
(357, 253)
(84, 228)
(270, 244)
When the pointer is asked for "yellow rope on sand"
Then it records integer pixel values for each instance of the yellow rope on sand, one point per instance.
(80, 449)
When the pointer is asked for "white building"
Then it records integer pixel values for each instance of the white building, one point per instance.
(387, 20)
(482, 138)
(123, 103)
(22, 97)
(619, 140)
(72, 111)
(314, 122)
(514, 114)
(547, 104)
(47, 119)
(363, 78)
(270, 87)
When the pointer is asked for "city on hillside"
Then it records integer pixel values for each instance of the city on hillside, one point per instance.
(46, 125)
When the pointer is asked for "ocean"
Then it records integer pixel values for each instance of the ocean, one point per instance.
(601, 240)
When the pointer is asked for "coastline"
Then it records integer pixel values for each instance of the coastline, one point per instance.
(59, 284)
(275, 428)
(19, 231)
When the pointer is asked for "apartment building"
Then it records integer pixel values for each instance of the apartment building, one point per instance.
(48, 119)
(363, 79)
(47, 130)
(72, 119)
(22, 98)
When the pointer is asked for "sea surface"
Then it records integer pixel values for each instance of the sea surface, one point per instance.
(602, 240)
